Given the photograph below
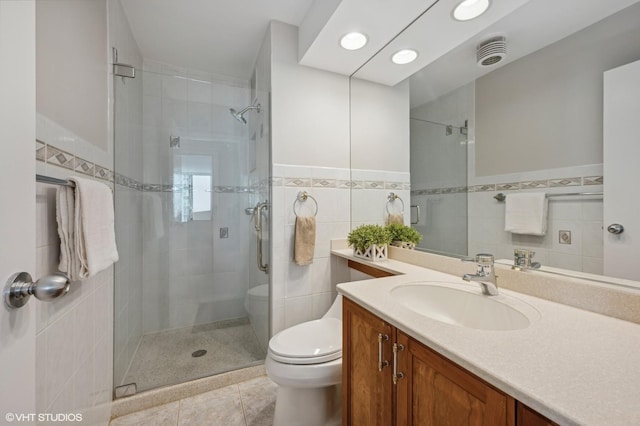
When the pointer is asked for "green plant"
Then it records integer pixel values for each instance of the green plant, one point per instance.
(365, 236)
(404, 233)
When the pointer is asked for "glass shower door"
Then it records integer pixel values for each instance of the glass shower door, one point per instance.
(200, 284)
(439, 185)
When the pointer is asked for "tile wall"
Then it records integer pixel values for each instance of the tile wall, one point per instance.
(191, 274)
(581, 216)
(74, 340)
(303, 293)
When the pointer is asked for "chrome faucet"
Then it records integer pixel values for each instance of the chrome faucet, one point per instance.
(484, 275)
(522, 260)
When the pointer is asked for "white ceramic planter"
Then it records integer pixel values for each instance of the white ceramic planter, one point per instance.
(373, 253)
(403, 244)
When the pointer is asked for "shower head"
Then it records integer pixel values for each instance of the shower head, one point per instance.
(239, 115)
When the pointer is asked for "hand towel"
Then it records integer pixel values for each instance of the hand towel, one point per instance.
(526, 213)
(304, 240)
(86, 227)
(395, 218)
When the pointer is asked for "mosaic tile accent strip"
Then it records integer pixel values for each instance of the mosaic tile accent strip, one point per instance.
(103, 173)
(483, 188)
(324, 183)
(41, 151)
(373, 185)
(575, 181)
(297, 182)
(507, 186)
(393, 185)
(534, 184)
(60, 158)
(344, 184)
(593, 180)
(84, 166)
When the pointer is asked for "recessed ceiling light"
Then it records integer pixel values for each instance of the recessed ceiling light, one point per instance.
(353, 41)
(469, 9)
(404, 56)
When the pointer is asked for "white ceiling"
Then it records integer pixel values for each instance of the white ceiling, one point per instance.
(379, 20)
(217, 36)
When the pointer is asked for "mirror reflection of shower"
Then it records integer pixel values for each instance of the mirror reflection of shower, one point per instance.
(239, 115)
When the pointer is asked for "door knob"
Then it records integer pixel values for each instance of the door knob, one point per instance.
(20, 287)
(616, 228)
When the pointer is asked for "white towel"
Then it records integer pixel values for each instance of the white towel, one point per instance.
(86, 228)
(526, 213)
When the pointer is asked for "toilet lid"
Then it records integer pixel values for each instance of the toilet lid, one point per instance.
(311, 342)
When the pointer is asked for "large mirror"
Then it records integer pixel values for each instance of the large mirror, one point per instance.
(461, 133)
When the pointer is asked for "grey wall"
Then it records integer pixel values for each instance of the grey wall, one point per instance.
(545, 110)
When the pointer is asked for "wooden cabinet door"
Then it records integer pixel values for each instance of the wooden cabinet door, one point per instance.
(435, 391)
(367, 394)
(527, 417)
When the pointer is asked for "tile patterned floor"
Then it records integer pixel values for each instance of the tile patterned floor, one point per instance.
(164, 358)
(249, 403)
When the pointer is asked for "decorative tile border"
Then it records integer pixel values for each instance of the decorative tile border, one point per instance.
(51, 155)
(41, 151)
(58, 157)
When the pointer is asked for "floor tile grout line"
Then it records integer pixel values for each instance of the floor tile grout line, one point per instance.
(244, 413)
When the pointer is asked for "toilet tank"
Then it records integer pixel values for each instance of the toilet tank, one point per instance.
(335, 311)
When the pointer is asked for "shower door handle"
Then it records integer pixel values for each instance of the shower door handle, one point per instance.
(417, 214)
(258, 224)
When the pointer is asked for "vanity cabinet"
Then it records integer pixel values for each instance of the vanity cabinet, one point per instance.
(388, 378)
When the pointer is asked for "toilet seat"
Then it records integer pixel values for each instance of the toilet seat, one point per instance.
(312, 342)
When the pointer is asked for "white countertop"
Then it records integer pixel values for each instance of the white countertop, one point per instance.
(572, 366)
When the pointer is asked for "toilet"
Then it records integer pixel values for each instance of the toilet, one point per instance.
(256, 303)
(305, 361)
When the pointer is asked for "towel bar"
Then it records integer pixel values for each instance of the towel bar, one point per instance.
(501, 196)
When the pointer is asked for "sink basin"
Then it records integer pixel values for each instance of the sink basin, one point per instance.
(442, 302)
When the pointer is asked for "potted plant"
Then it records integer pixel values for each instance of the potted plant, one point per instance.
(404, 236)
(370, 242)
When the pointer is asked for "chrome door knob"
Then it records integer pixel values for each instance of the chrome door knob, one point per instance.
(616, 228)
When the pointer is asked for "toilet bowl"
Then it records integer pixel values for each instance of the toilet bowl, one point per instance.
(305, 361)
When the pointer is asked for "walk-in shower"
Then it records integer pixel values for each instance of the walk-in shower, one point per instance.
(190, 299)
(239, 115)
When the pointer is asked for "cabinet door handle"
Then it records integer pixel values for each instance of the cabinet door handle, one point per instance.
(396, 375)
(381, 363)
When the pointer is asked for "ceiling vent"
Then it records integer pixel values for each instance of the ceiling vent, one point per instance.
(491, 51)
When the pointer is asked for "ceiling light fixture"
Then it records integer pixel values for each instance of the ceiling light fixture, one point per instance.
(470, 9)
(404, 56)
(353, 41)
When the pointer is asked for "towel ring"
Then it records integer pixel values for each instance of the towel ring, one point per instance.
(391, 198)
(303, 196)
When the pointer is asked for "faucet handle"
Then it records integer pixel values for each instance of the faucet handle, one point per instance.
(484, 259)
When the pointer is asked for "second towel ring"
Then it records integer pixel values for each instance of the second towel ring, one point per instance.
(303, 196)
(391, 198)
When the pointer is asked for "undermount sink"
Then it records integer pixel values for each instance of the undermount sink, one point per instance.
(442, 302)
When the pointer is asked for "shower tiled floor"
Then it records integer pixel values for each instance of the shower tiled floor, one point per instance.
(165, 358)
(249, 403)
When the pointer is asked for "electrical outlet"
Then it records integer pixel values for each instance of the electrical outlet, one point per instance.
(224, 232)
(564, 237)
